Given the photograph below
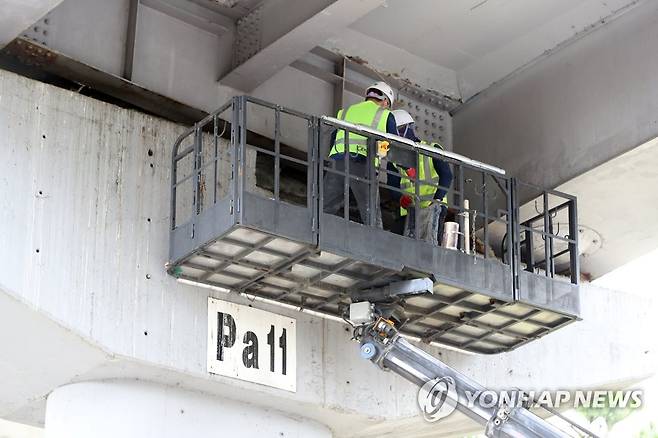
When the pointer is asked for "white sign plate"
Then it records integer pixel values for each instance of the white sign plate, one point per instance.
(251, 344)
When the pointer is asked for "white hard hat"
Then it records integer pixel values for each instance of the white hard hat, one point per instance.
(402, 117)
(381, 88)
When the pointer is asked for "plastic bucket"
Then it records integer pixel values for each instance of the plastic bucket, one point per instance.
(450, 237)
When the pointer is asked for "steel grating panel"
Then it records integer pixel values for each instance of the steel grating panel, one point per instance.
(266, 265)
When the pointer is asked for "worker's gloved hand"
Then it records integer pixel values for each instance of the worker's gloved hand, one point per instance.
(411, 172)
(382, 148)
(406, 201)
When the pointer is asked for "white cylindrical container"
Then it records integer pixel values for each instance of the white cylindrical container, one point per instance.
(467, 227)
(450, 238)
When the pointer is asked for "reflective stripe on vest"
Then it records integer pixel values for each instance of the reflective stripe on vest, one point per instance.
(425, 191)
(365, 113)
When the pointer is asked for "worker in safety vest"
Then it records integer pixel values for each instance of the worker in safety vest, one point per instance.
(432, 198)
(374, 113)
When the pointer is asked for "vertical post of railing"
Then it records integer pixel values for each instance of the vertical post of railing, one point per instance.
(510, 225)
(515, 242)
(174, 177)
(277, 152)
(551, 244)
(373, 185)
(485, 214)
(417, 200)
(547, 238)
(242, 158)
(199, 172)
(235, 133)
(196, 203)
(529, 250)
(574, 261)
(215, 134)
(346, 181)
(322, 164)
(314, 175)
(460, 207)
(510, 230)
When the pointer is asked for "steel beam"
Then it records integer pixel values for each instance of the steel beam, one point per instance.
(19, 15)
(429, 108)
(277, 33)
(131, 33)
(193, 14)
(396, 62)
(37, 57)
(233, 9)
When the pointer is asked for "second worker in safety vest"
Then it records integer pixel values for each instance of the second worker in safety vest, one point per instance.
(432, 198)
(374, 113)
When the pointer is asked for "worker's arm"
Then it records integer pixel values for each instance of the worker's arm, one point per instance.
(445, 177)
(393, 180)
(333, 134)
(333, 140)
(391, 127)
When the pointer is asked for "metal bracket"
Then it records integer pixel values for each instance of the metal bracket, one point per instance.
(248, 36)
(399, 289)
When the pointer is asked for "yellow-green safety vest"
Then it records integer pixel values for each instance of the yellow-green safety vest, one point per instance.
(425, 191)
(366, 113)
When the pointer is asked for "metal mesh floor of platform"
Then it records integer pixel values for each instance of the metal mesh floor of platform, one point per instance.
(279, 269)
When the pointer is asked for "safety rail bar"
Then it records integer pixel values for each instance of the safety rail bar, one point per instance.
(359, 129)
(476, 181)
(527, 231)
(197, 168)
(457, 193)
(276, 153)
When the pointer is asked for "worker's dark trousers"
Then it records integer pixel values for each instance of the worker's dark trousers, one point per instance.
(442, 221)
(431, 223)
(334, 194)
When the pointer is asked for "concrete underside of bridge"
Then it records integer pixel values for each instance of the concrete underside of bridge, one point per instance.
(86, 304)
(583, 119)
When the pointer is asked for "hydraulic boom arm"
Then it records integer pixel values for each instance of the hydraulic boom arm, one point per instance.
(382, 344)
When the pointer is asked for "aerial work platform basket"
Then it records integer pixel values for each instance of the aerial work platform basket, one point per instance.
(248, 215)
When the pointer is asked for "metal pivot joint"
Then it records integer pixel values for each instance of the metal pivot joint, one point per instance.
(386, 301)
